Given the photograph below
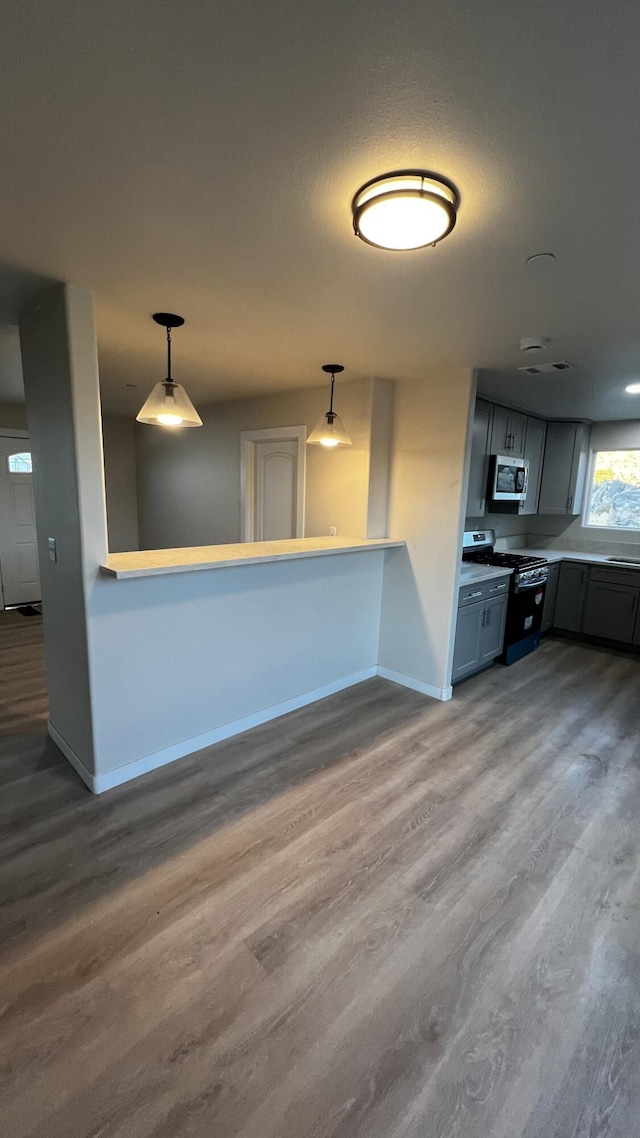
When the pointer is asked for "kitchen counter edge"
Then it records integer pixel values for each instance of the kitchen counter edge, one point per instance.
(153, 562)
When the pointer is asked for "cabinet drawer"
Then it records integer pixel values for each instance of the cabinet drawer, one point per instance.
(482, 591)
(607, 575)
(469, 594)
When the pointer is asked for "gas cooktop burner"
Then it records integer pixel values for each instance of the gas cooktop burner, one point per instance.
(509, 560)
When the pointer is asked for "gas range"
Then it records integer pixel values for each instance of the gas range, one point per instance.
(528, 570)
(526, 591)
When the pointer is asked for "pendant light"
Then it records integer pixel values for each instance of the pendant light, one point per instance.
(168, 404)
(408, 209)
(329, 431)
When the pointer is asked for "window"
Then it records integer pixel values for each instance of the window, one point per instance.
(20, 463)
(614, 501)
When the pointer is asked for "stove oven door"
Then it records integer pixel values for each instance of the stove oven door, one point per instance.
(524, 614)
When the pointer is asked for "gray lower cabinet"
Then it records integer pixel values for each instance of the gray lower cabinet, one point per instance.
(610, 611)
(550, 594)
(572, 589)
(482, 615)
(466, 656)
(495, 615)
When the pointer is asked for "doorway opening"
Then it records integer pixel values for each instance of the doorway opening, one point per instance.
(273, 465)
(19, 573)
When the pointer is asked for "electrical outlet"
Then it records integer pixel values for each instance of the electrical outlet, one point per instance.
(332, 531)
(51, 546)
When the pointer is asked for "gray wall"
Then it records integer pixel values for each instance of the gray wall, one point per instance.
(60, 365)
(13, 416)
(189, 482)
(118, 435)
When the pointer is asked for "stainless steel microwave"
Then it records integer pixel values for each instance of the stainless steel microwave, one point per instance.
(509, 478)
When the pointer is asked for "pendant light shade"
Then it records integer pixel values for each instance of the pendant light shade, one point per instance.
(329, 431)
(168, 404)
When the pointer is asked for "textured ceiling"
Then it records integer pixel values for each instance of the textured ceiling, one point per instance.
(200, 158)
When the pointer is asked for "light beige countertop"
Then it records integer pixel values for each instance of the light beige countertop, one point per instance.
(151, 562)
(470, 574)
(572, 555)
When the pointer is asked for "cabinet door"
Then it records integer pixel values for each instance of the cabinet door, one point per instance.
(494, 619)
(479, 462)
(550, 594)
(466, 654)
(533, 451)
(517, 430)
(572, 587)
(564, 468)
(611, 611)
(500, 431)
(636, 633)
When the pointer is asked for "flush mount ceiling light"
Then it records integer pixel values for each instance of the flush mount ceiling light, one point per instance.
(633, 389)
(407, 209)
(329, 431)
(169, 405)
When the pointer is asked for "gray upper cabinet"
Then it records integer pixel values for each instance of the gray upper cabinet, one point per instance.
(572, 588)
(508, 432)
(536, 432)
(479, 462)
(564, 469)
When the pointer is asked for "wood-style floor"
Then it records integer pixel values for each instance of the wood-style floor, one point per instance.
(380, 917)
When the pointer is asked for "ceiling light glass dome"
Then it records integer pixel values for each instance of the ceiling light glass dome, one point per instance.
(409, 209)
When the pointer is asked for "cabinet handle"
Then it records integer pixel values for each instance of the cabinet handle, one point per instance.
(487, 613)
(470, 595)
(570, 501)
(484, 613)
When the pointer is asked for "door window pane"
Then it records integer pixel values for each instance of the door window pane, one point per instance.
(615, 490)
(20, 463)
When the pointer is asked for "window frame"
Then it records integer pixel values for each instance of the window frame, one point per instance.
(586, 509)
(19, 454)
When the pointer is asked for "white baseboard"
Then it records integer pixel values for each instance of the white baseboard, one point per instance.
(100, 783)
(70, 754)
(416, 685)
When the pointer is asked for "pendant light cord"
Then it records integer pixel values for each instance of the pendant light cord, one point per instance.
(169, 355)
(333, 379)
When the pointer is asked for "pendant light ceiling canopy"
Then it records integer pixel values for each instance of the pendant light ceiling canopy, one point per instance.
(408, 209)
(329, 430)
(168, 404)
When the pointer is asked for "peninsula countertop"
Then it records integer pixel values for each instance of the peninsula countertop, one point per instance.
(151, 562)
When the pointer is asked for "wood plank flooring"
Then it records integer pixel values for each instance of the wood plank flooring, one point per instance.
(379, 917)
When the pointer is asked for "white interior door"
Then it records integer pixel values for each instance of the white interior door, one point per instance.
(18, 545)
(273, 483)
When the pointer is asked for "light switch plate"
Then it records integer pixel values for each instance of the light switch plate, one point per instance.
(51, 546)
(332, 531)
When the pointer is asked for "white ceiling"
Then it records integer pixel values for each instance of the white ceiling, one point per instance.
(200, 158)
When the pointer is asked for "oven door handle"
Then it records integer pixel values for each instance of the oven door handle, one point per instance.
(520, 588)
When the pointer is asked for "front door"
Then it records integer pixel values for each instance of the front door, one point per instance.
(18, 546)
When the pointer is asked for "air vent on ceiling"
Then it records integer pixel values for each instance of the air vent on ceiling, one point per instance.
(547, 369)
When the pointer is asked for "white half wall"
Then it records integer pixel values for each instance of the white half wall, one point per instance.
(181, 661)
(427, 502)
